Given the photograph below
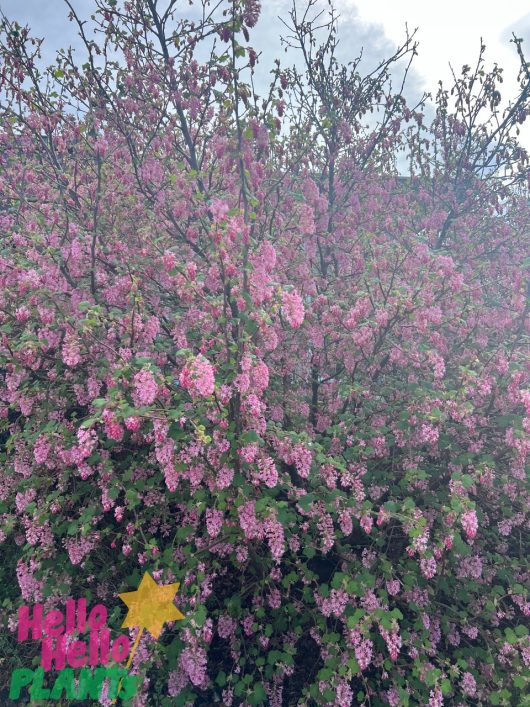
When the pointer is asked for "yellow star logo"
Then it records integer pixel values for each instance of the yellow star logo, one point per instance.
(151, 605)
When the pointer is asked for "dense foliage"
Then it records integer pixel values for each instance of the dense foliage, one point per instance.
(240, 351)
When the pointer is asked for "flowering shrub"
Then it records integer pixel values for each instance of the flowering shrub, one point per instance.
(240, 352)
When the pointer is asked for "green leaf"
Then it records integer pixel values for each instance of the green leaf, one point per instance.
(510, 636)
(261, 504)
(200, 615)
(446, 687)
(354, 619)
(305, 501)
(249, 437)
(258, 695)
(337, 580)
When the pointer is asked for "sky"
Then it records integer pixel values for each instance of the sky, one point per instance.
(447, 33)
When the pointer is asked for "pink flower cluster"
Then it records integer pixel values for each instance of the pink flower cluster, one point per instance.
(392, 640)
(30, 587)
(469, 684)
(112, 427)
(436, 698)
(334, 604)
(364, 649)
(71, 353)
(145, 388)
(428, 567)
(214, 522)
(293, 308)
(41, 450)
(193, 661)
(367, 523)
(248, 521)
(470, 523)
(79, 549)
(302, 458)
(198, 377)
(275, 537)
(267, 472)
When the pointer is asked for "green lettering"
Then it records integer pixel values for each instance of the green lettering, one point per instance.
(90, 682)
(114, 675)
(36, 690)
(19, 678)
(129, 686)
(65, 681)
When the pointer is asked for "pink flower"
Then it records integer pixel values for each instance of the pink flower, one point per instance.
(248, 452)
(363, 653)
(87, 440)
(393, 587)
(393, 642)
(267, 472)
(293, 308)
(251, 12)
(326, 530)
(219, 210)
(193, 662)
(470, 631)
(23, 498)
(469, 685)
(79, 549)
(335, 604)
(226, 626)
(145, 388)
(343, 694)
(274, 598)
(71, 353)
(112, 427)
(198, 377)
(224, 477)
(260, 376)
(30, 587)
(436, 698)
(248, 521)
(345, 522)
(367, 523)
(41, 450)
(22, 314)
(428, 567)
(275, 537)
(302, 459)
(214, 522)
(133, 424)
(470, 523)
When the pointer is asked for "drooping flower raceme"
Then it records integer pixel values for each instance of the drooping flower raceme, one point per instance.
(198, 377)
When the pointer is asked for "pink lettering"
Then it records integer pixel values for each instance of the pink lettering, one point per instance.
(53, 623)
(121, 648)
(51, 653)
(76, 654)
(97, 618)
(25, 622)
